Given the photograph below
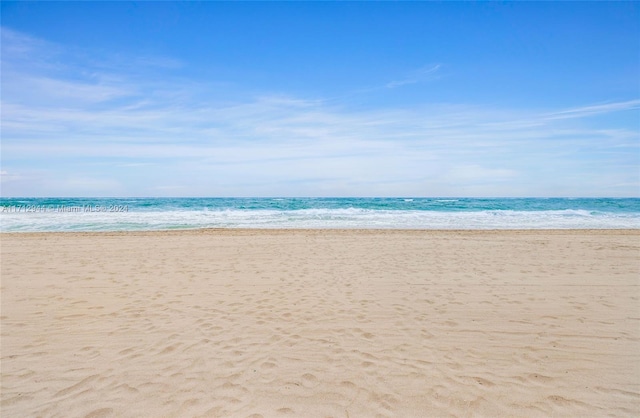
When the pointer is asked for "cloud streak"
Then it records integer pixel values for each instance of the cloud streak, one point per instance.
(109, 132)
(592, 110)
(421, 75)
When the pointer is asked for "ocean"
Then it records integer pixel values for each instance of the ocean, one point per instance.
(140, 214)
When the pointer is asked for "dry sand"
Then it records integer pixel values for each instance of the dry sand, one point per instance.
(321, 323)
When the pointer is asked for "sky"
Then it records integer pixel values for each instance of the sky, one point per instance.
(486, 99)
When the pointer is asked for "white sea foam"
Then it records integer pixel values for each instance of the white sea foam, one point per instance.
(317, 218)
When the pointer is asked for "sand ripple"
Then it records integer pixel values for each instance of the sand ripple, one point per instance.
(321, 323)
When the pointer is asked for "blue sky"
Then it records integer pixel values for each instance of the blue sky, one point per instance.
(320, 99)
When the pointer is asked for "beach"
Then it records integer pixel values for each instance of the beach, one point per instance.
(319, 323)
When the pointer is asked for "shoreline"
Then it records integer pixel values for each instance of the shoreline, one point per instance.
(222, 231)
(321, 322)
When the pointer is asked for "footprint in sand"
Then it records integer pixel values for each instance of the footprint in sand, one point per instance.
(309, 380)
(100, 413)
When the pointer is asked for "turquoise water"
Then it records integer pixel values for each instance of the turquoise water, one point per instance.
(123, 214)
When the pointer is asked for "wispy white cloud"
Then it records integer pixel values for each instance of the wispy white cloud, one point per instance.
(426, 73)
(5, 176)
(110, 131)
(50, 91)
(18, 47)
(591, 110)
